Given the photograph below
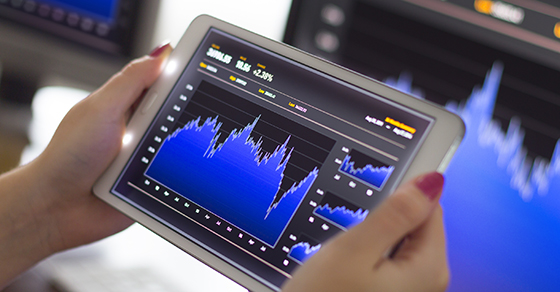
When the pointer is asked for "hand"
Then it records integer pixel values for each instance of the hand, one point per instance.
(48, 206)
(358, 259)
(85, 143)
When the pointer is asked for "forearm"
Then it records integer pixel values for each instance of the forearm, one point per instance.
(48, 206)
(24, 226)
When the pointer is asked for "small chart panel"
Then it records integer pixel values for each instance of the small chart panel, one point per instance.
(340, 212)
(366, 169)
(304, 249)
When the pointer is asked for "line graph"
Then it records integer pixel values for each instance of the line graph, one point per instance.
(366, 169)
(230, 174)
(303, 250)
(234, 179)
(309, 147)
(340, 212)
(496, 193)
(527, 177)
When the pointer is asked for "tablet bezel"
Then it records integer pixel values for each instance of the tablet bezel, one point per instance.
(435, 153)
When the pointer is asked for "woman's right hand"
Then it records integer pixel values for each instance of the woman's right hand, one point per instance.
(358, 259)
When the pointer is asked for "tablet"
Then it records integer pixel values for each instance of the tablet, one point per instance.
(249, 154)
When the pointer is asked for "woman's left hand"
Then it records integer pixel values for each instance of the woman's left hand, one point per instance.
(48, 206)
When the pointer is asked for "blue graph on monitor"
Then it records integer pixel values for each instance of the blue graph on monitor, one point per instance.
(301, 251)
(371, 171)
(502, 209)
(235, 179)
(528, 177)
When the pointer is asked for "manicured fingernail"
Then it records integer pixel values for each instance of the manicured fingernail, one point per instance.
(160, 49)
(431, 184)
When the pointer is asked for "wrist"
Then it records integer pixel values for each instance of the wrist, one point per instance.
(25, 236)
(72, 215)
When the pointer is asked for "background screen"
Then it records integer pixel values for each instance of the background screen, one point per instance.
(495, 63)
(100, 8)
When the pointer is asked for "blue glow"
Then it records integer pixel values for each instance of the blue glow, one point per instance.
(502, 211)
(100, 8)
(300, 252)
(235, 180)
(404, 84)
(341, 216)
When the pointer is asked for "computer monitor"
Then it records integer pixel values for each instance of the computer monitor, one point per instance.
(80, 42)
(497, 64)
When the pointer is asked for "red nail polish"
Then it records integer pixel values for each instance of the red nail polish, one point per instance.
(157, 51)
(431, 184)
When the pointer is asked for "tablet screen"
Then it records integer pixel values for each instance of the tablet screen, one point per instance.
(259, 159)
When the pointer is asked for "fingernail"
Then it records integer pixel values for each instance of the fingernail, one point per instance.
(160, 49)
(431, 184)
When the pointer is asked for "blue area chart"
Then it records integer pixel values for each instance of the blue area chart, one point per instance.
(341, 215)
(234, 179)
(300, 252)
(375, 176)
(502, 209)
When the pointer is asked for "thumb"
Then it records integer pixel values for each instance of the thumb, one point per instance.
(402, 212)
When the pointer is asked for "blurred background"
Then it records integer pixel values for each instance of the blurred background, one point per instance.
(495, 63)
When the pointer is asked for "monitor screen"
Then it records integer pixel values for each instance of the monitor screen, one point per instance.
(105, 25)
(496, 64)
(80, 42)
